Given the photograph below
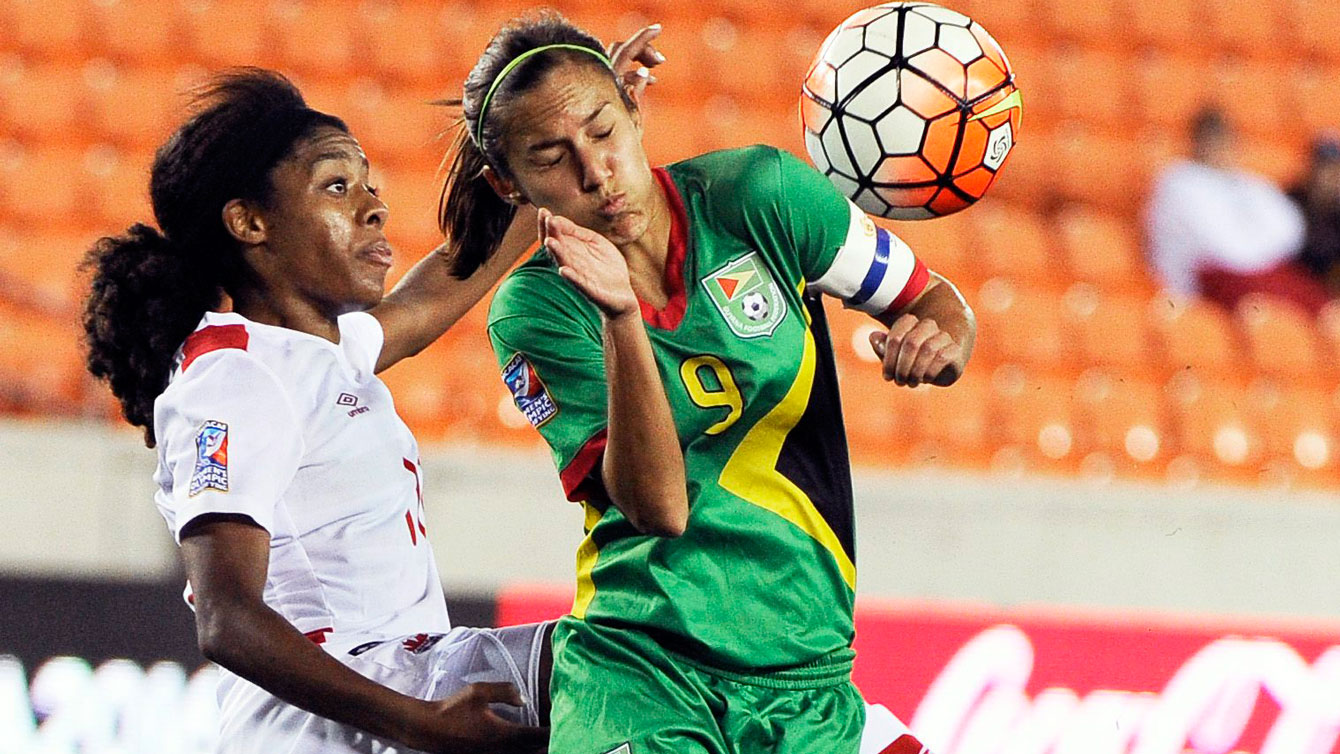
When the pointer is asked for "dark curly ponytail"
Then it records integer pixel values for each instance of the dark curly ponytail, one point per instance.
(151, 287)
(471, 215)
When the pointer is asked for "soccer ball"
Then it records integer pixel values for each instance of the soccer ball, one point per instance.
(755, 306)
(910, 109)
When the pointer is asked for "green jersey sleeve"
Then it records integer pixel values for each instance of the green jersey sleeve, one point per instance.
(547, 342)
(782, 203)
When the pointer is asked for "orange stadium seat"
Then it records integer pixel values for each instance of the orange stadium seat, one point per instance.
(139, 107)
(1099, 168)
(46, 186)
(1247, 26)
(1260, 95)
(1019, 323)
(947, 246)
(43, 101)
(673, 130)
(45, 28)
(1014, 22)
(1015, 243)
(1035, 416)
(407, 44)
(1170, 89)
(1094, 22)
(1196, 336)
(1172, 24)
(1315, 25)
(1298, 424)
(1112, 329)
(1124, 419)
(42, 370)
(143, 31)
(1313, 97)
(1102, 249)
(948, 426)
(1214, 424)
(248, 39)
(119, 181)
(44, 262)
(875, 414)
(1096, 85)
(331, 51)
(1281, 339)
(412, 197)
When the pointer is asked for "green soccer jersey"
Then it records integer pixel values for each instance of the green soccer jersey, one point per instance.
(763, 576)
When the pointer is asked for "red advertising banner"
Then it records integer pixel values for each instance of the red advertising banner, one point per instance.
(983, 681)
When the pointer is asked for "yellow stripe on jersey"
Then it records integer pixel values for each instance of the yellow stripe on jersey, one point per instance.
(751, 473)
(587, 553)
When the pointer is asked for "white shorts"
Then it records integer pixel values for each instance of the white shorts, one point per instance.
(427, 666)
(884, 733)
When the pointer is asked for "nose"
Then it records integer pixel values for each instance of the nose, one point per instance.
(595, 167)
(376, 212)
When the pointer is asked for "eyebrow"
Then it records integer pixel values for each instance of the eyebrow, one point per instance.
(555, 142)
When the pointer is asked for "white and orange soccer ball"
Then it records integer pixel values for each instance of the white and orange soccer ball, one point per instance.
(911, 110)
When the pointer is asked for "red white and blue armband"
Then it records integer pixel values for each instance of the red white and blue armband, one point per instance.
(873, 271)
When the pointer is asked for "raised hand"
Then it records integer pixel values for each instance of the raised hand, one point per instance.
(590, 262)
(633, 59)
(916, 350)
(463, 724)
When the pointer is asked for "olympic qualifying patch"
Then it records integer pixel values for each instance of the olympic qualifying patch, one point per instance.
(211, 458)
(528, 391)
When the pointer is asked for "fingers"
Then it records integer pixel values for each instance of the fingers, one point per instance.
(916, 351)
(496, 693)
(877, 340)
(637, 49)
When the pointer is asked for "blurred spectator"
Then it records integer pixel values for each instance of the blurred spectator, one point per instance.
(1318, 196)
(1219, 231)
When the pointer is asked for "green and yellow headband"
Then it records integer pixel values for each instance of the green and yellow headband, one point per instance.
(518, 60)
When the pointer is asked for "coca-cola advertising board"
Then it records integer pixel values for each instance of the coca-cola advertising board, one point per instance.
(983, 681)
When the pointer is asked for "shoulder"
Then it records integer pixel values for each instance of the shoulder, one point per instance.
(224, 361)
(535, 290)
(361, 338)
(729, 170)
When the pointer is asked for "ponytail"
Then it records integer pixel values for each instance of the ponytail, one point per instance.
(470, 213)
(146, 297)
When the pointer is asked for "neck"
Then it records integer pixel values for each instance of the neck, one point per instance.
(646, 256)
(288, 310)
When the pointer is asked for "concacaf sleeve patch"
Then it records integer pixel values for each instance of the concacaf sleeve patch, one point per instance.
(528, 391)
(211, 458)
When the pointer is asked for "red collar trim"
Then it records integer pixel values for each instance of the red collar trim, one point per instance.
(669, 317)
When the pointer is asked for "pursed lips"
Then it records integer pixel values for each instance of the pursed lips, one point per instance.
(378, 253)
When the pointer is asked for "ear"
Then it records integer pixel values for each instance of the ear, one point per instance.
(244, 222)
(505, 188)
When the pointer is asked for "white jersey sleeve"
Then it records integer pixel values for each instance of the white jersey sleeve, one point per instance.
(229, 441)
(874, 270)
(362, 337)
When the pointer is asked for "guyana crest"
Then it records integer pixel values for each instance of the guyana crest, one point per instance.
(747, 295)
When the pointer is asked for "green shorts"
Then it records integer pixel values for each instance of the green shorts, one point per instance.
(617, 691)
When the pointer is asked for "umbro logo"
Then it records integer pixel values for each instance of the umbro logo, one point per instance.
(351, 401)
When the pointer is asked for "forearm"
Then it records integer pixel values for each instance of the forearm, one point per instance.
(429, 299)
(259, 645)
(643, 467)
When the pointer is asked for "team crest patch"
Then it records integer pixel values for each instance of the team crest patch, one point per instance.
(528, 391)
(211, 458)
(746, 294)
(625, 748)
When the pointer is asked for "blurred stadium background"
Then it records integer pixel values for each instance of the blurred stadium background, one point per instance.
(1117, 532)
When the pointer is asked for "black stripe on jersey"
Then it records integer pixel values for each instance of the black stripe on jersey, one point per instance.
(814, 456)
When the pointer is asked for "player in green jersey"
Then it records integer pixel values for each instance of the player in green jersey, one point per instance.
(669, 343)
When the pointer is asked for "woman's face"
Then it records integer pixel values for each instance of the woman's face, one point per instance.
(324, 226)
(573, 147)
